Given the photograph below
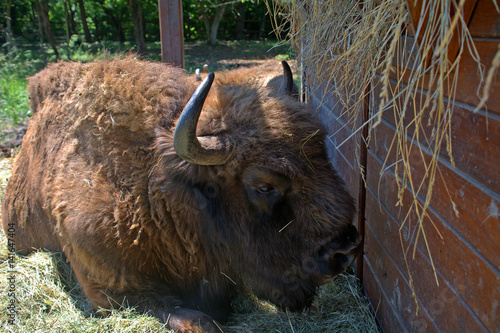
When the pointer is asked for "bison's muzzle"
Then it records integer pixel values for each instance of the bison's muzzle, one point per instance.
(334, 257)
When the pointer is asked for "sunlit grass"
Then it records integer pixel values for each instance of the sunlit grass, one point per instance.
(14, 102)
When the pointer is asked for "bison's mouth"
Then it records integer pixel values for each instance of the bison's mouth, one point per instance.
(298, 284)
(337, 255)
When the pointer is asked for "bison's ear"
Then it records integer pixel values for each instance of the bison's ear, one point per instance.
(206, 150)
(288, 86)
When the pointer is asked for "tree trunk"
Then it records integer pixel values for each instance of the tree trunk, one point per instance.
(137, 19)
(96, 31)
(72, 22)
(8, 27)
(204, 18)
(68, 33)
(42, 9)
(262, 26)
(83, 16)
(142, 25)
(121, 34)
(119, 28)
(214, 26)
(40, 34)
(114, 14)
(240, 22)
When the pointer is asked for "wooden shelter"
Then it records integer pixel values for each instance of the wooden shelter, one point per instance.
(428, 203)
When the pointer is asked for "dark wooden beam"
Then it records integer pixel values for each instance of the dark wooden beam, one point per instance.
(171, 32)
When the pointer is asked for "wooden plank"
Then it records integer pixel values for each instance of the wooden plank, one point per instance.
(457, 198)
(385, 312)
(485, 21)
(419, 19)
(466, 281)
(440, 304)
(344, 170)
(395, 286)
(343, 158)
(351, 177)
(326, 96)
(362, 177)
(171, 32)
(475, 136)
(469, 84)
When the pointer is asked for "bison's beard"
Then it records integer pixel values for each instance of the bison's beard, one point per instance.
(294, 290)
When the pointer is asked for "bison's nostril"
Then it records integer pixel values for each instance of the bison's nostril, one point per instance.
(341, 259)
(335, 257)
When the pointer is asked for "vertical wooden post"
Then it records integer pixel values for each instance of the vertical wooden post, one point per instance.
(171, 32)
(363, 159)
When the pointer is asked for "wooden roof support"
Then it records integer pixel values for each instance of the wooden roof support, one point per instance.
(171, 32)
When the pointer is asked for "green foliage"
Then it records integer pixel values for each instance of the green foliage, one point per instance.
(194, 28)
(14, 69)
(111, 20)
(107, 19)
(282, 57)
(256, 25)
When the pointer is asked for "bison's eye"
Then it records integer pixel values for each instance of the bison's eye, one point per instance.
(265, 188)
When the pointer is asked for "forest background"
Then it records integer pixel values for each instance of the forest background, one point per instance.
(76, 21)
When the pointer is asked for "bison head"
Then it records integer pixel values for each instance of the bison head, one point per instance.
(253, 171)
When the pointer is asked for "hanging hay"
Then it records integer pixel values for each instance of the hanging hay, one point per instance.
(348, 47)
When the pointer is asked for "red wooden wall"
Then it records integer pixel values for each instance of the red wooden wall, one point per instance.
(465, 239)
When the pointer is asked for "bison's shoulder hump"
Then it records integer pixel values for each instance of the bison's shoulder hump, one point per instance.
(53, 82)
(126, 92)
(136, 94)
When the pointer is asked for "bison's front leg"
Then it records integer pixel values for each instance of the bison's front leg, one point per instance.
(186, 320)
(167, 308)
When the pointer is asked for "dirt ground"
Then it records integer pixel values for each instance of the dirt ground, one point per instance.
(229, 55)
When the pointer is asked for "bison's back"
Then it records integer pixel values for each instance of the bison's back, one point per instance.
(89, 138)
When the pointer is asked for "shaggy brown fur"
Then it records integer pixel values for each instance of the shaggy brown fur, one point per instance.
(98, 179)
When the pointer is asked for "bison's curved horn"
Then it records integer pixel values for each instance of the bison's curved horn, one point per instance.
(287, 85)
(204, 150)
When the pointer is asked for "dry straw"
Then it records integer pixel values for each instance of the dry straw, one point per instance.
(351, 47)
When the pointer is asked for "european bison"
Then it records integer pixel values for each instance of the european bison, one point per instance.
(170, 211)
